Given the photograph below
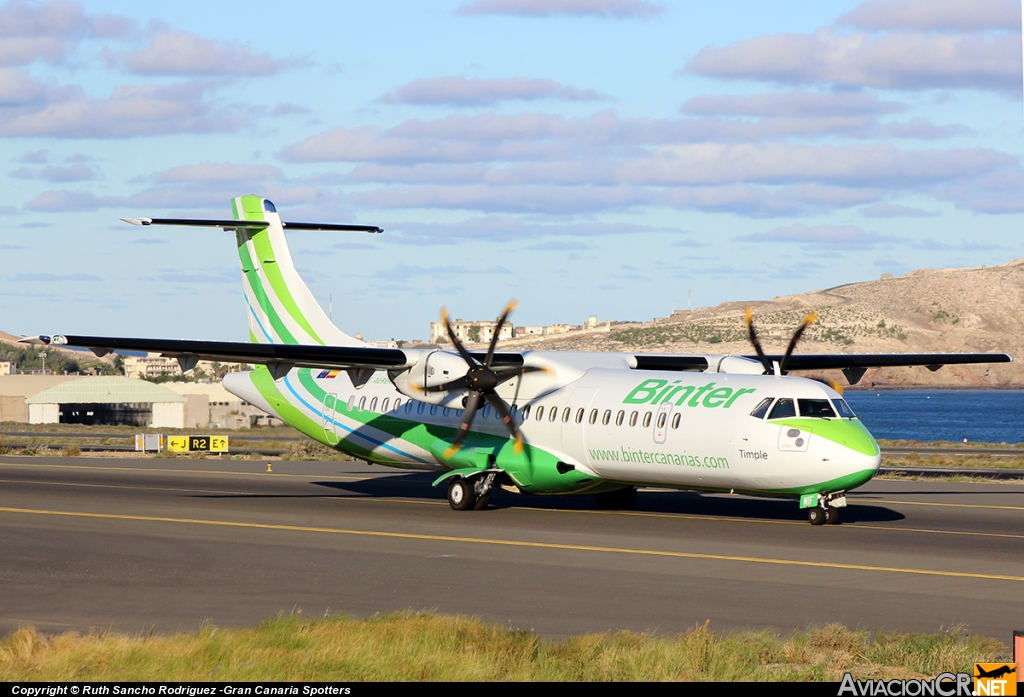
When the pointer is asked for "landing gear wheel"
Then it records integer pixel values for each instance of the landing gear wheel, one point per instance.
(460, 495)
(482, 502)
(832, 516)
(620, 500)
(816, 515)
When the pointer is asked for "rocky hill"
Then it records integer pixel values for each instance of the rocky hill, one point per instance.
(925, 311)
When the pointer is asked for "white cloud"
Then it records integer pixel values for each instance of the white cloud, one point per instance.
(822, 236)
(909, 61)
(51, 31)
(923, 15)
(182, 53)
(38, 110)
(793, 103)
(546, 8)
(463, 91)
(218, 172)
(889, 210)
(74, 173)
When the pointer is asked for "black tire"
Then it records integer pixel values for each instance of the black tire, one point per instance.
(482, 502)
(816, 515)
(832, 516)
(461, 496)
(618, 500)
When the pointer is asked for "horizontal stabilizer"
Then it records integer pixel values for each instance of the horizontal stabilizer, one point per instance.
(252, 224)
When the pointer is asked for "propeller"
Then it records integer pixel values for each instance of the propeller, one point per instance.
(480, 383)
(768, 368)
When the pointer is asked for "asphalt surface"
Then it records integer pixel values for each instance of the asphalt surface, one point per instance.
(166, 544)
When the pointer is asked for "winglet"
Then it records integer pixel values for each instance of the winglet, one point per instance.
(138, 221)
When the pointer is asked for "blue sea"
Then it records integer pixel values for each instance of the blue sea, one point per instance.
(983, 416)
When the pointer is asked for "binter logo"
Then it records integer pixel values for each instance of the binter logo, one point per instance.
(995, 679)
(663, 392)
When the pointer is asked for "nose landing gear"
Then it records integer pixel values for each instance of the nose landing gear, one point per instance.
(825, 511)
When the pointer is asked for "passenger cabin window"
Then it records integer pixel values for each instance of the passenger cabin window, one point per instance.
(675, 421)
(540, 413)
(386, 404)
(398, 404)
(351, 402)
(662, 418)
(433, 410)
(783, 409)
(619, 417)
(579, 415)
(607, 417)
(553, 413)
(526, 413)
(647, 419)
(566, 413)
(762, 408)
(487, 411)
(362, 403)
(632, 418)
(373, 404)
(593, 416)
(445, 411)
(844, 409)
(817, 408)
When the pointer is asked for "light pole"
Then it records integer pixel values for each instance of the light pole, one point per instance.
(42, 355)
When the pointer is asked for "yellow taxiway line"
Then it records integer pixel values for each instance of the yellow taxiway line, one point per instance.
(517, 543)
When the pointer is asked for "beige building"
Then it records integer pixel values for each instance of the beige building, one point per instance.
(470, 332)
(8, 368)
(151, 366)
(224, 410)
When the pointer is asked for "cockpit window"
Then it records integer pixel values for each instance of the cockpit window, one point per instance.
(816, 408)
(844, 409)
(268, 206)
(783, 409)
(761, 409)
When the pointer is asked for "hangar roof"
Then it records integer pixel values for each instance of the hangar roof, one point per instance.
(105, 390)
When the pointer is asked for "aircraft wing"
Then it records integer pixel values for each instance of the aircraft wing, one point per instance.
(853, 365)
(283, 356)
(277, 357)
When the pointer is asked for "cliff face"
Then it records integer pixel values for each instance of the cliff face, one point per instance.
(925, 311)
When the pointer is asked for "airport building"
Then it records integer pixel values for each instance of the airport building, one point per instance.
(113, 400)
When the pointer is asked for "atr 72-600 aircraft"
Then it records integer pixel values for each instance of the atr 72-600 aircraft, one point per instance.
(541, 422)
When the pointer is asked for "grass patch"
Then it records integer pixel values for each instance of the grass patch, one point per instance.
(424, 646)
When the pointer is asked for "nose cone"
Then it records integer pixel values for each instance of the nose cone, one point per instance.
(241, 385)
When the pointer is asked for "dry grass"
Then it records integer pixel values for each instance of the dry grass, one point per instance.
(417, 646)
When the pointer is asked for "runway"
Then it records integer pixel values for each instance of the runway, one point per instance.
(140, 545)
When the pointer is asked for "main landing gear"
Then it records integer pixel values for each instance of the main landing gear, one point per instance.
(827, 510)
(471, 494)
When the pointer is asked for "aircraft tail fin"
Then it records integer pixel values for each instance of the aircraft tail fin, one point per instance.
(281, 308)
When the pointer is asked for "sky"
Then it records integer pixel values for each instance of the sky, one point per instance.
(617, 158)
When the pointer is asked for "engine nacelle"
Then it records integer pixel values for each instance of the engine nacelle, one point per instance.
(431, 369)
(737, 365)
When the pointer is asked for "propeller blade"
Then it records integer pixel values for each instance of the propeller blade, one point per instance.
(456, 384)
(499, 406)
(506, 374)
(756, 342)
(497, 328)
(796, 337)
(472, 404)
(455, 340)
